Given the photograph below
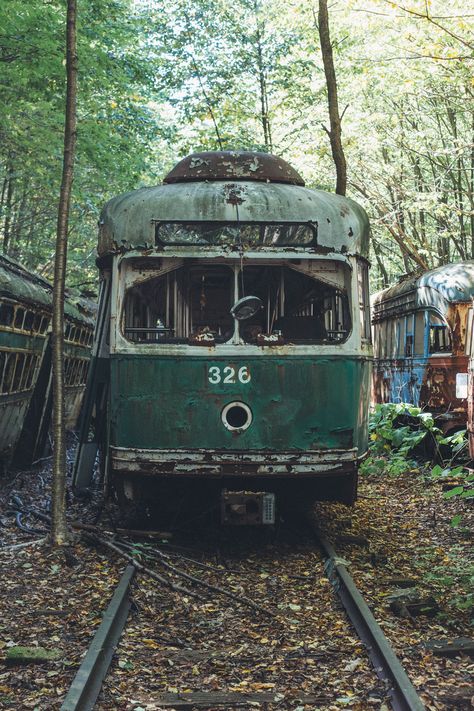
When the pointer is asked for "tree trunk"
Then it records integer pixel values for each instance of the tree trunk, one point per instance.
(471, 189)
(262, 82)
(334, 118)
(59, 534)
(380, 264)
(8, 208)
(17, 226)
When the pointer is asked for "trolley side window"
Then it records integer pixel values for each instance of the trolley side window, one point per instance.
(17, 371)
(19, 317)
(400, 329)
(6, 314)
(189, 302)
(409, 335)
(364, 300)
(419, 333)
(383, 338)
(439, 335)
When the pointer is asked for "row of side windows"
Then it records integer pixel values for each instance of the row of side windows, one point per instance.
(75, 371)
(17, 371)
(79, 336)
(415, 335)
(20, 318)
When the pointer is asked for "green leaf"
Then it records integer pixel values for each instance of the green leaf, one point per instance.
(456, 491)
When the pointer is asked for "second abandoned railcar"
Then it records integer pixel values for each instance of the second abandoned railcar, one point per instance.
(233, 336)
(420, 337)
(25, 360)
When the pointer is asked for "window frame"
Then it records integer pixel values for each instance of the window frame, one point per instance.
(363, 295)
(160, 244)
(342, 284)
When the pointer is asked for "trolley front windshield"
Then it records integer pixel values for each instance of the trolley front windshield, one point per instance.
(232, 233)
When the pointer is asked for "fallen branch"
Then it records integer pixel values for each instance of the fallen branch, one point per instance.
(214, 588)
(96, 539)
(37, 542)
(91, 534)
(134, 533)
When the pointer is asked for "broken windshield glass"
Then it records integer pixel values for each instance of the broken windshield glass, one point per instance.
(245, 234)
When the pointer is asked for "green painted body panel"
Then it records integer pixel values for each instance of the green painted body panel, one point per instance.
(20, 341)
(297, 402)
(35, 344)
(13, 409)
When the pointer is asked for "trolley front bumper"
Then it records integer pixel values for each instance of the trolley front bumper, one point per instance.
(207, 463)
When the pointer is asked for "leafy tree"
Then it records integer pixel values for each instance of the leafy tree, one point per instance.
(116, 129)
(58, 509)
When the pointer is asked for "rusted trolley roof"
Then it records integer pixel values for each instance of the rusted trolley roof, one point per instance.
(437, 289)
(233, 187)
(234, 165)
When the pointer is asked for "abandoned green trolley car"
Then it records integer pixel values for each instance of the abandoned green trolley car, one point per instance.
(25, 360)
(233, 339)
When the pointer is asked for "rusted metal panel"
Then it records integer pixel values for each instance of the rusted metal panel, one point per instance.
(456, 318)
(429, 383)
(234, 165)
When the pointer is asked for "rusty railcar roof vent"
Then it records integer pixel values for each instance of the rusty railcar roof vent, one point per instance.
(233, 165)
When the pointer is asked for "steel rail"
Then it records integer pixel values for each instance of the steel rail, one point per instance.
(403, 695)
(87, 683)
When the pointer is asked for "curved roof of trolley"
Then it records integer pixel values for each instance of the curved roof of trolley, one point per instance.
(438, 288)
(233, 186)
(20, 284)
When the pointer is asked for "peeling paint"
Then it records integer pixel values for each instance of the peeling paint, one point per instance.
(225, 165)
(234, 194)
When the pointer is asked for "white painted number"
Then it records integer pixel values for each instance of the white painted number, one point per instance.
(228, 375)
(214, 375)
(244, 375)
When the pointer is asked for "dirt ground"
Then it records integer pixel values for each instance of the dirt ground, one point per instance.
(399, 531)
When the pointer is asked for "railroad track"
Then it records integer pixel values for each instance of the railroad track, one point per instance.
(308, 640)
